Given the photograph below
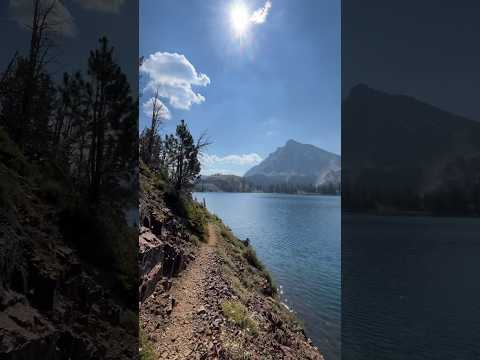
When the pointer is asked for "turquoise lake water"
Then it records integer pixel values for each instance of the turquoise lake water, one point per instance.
(298, 238)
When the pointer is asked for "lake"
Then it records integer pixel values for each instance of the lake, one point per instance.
(298, 238)
(410, 288)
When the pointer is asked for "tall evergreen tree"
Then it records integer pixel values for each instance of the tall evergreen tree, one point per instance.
(187, 165)
(111, 106)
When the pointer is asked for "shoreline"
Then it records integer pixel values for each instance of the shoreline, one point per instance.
(279, 287)
(261, 192)
(280, 293)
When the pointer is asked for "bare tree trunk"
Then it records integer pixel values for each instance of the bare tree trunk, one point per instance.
(40, 27)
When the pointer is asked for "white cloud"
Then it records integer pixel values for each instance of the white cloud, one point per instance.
(229, 164)
(148, 108)
(173, 76)
(59, 19)
(112, 6)
(260, 15)
(222, 171)
(242, 160)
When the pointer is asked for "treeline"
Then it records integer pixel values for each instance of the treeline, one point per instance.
(79, 136)
(174, 156)
(286, 188)
(85, 126)
(457, 193)
(232, 183)
(448, 201)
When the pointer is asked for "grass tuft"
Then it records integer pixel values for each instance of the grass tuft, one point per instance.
(237, 313)
(146, 350)
(252, 259)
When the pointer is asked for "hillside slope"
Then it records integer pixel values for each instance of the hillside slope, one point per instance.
(401, 149)
(54, 303)
(204, 294)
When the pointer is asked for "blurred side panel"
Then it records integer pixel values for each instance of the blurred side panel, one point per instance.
(68, 179)
(410, 180)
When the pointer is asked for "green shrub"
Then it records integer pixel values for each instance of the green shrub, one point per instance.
(271, 286)
(11, 156)
(186, 207)
(146, 348)
(228, 235)
(161, 181)
(252, 258)
(237, 313)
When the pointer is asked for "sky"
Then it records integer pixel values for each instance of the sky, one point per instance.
(83, 22)
(426, 49)
(251, 74)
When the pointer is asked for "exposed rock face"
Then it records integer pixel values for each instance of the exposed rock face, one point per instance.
(158, 259)
(165, 246)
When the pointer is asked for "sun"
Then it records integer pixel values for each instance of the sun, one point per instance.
(240, 19)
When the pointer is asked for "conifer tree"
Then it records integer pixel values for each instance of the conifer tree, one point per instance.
(187, 165)
(111, 106)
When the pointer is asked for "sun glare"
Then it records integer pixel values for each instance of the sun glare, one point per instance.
(240, 19)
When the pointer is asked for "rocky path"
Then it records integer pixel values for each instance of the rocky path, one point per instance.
(180, 339)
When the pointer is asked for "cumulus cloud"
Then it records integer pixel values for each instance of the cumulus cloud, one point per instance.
(59, 18)
(242, 160)
(260, 15)
(173, 76)
(148, 108)
(112, 6)
(229, 164)
(222, 171)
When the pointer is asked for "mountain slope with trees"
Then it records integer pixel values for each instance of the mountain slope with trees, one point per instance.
(293, 168)
(223, 183)
(408, 155)
(295, 163)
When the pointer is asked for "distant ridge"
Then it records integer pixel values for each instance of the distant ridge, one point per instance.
(297, 164)
(292, 168)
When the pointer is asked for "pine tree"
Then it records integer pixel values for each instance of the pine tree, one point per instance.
(111, 106)
(187, 165)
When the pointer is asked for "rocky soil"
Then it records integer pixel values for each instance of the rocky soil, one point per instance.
(174, 325)
(52, 304)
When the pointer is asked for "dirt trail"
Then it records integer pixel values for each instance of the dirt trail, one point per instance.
(180, 340)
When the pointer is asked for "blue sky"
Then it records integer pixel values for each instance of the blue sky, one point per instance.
(252, 80)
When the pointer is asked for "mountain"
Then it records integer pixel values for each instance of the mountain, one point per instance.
(402, 152)
(296, 164)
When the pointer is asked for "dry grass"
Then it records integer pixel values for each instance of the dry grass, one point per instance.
(237, 313)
